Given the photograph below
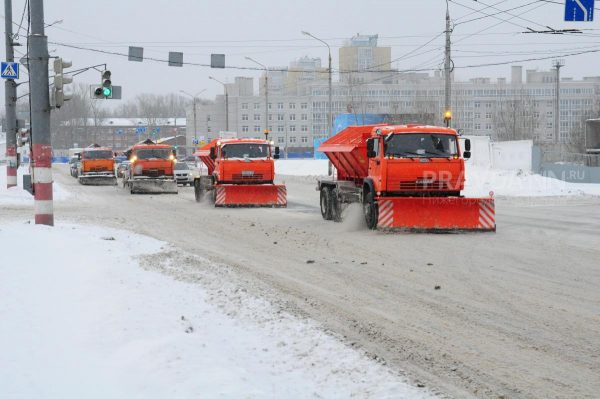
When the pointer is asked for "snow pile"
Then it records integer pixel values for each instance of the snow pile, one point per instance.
(516, 183)
(480, 181)
(18, 196)
(81, 319)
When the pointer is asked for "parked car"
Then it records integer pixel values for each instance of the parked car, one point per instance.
(74, 166)
(122, 168)
(183, 174)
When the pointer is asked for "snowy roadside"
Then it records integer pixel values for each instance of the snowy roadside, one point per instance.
(18, 196)
(81, 318)
(479, 181)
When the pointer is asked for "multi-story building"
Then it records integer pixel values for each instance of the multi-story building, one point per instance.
(521, 107)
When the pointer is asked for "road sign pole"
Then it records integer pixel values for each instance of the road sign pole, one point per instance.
(10, 101)
(40, 116)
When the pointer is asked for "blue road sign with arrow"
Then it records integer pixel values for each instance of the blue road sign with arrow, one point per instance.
(140, 130)
(10, 70)
(579, 10)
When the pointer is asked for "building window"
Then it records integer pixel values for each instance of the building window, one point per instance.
(270, 117)
(256, 117)
(280, 140)
(245, 129)
(478, 126)
(292, 128)
(304, 139)
(279, 117)
(477, 104)
(488, 115)
(304, 128)
(488, 105)
(292, 117)
(477, 115)
(280, 128)
(208, 129)
(292, 105)
(304, 106)
(244, 117)
(292, 139)
(208, 118)
(256, 105)
(244, 105)
(269, 105)
(304, 117)
(488, 126)
(279, 105)
(257, 128)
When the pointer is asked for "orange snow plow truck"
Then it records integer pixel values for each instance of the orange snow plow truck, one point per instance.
(241, 173)
(407, 177)
(96, 166)
(151, 168)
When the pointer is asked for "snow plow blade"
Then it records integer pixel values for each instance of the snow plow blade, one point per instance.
(152, 186)
(437, 214)
(249, 195)
(97, 180)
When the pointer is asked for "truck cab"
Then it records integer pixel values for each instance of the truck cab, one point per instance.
(244, 161)
(151, 160)
(97, 159)
(415, 160)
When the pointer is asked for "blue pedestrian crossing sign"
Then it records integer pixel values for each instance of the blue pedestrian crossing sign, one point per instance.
(579, 10)
(10, 70)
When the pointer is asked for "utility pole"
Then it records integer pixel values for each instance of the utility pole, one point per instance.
(226, 103)
(557, 65)
(447, 70)
(40, 116)
(266, 131)
(10, 101)
(330, 105)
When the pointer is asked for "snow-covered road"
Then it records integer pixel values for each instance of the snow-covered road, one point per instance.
(516, 312)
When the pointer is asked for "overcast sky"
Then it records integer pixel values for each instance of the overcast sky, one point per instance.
(269, 31)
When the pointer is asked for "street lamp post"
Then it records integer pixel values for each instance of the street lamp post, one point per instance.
(330, 115)
(226, 102)
(266, 95)
(194, 101)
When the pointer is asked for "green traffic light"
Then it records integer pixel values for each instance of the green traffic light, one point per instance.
(106, 92)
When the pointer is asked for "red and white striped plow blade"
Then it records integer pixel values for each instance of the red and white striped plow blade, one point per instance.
(437, 214)
(250, 195)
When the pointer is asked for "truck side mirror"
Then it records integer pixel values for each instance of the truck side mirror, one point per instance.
(79, 156)
(467, 145)
(276, 156)
(213, 154)
(467, 154)
(370, 148)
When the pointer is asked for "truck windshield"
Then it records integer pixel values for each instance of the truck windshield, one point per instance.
(148, 153)
(426, 145)
(246, 150)
(102, 154)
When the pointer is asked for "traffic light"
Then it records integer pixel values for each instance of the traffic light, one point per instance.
(105, 90)
(61, 92)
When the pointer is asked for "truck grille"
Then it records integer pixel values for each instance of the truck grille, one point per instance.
(255, 176)
(418, 185)
(153, 172)
(98, 169)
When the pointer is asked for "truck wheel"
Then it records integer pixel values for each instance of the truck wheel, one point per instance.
(336, 206)
(326, 203)
(371, 211)
(198, 191)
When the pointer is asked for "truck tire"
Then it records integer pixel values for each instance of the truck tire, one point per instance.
(335, 206)
(198, 191)
(370, 211)
(326, 203)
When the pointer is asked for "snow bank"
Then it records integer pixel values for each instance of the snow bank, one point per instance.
(18, 196)
(81, 319)
(480, 181)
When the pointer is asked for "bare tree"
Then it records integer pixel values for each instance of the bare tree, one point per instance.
(515, 118)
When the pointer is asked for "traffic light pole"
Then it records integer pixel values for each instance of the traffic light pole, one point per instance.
(40, 116)
(10, 101)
